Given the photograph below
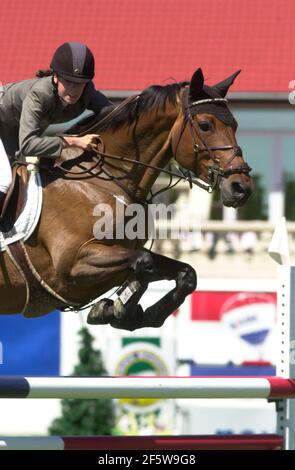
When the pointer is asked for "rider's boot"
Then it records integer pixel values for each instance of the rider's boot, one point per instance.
(2, 199)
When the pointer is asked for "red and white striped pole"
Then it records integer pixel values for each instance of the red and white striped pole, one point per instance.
(242, 442)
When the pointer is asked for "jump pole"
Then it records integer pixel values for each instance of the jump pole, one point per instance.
(271, 388)
(242, 442)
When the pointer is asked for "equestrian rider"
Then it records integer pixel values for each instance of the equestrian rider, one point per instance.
(57, 95)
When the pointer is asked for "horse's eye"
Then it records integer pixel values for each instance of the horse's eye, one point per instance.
(205, 126)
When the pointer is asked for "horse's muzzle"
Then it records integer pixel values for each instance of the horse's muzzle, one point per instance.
(235, 191)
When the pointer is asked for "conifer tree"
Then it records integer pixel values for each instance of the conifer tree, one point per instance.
(86, 417)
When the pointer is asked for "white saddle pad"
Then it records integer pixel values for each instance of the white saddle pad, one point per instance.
(28, 219)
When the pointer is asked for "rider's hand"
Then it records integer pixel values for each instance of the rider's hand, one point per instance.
(85, 142)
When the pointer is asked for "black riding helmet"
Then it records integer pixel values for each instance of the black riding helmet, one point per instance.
(74, 62)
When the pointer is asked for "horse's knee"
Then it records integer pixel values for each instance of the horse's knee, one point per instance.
(187, 278)
(144, 266)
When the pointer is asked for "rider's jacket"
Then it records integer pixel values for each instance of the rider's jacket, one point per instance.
(28, 107)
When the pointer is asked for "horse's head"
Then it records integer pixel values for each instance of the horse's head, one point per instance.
(204, 142)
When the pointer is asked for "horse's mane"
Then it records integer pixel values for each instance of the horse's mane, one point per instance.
(153, 97)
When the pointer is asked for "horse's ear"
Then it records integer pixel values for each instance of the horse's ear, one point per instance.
(223, 86)
(196, 85)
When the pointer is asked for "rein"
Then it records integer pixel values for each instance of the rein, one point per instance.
(215, 171)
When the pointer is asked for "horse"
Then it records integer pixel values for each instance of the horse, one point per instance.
(187, 121)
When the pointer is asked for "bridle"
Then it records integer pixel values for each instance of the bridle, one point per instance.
(215, 171)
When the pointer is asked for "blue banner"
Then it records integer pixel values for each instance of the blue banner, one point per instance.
(30, 346)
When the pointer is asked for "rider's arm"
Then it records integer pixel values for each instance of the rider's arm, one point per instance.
(35, 108)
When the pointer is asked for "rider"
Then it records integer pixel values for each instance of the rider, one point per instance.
(58, 95)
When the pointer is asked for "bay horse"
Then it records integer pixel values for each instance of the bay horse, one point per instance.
(187, 121)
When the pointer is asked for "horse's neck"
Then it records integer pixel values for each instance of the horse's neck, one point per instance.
(159, 152)
(148, 143)
(160, 160)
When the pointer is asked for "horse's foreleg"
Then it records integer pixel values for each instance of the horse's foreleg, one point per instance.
(147, 267)
(126, 305)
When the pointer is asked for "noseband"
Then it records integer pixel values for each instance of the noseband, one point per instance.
(215, 171)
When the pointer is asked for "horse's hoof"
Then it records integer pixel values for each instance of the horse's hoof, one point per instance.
(101, 313)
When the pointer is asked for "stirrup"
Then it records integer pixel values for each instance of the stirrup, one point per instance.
(33, 163)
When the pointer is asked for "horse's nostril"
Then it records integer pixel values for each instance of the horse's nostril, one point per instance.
(238, 188)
